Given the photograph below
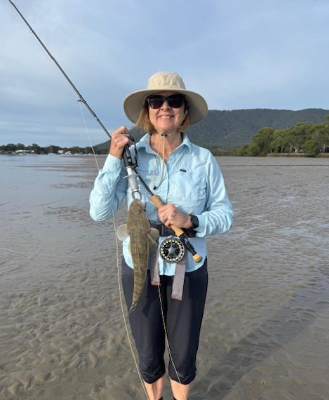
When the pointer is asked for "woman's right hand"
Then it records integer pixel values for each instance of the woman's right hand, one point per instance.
(119, 139)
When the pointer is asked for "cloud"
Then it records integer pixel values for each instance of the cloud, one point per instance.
(238, 54)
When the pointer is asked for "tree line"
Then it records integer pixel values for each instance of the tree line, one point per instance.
(302, 138)
(52, 149)
(305, 138)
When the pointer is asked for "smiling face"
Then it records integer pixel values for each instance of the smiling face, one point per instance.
(167, 119)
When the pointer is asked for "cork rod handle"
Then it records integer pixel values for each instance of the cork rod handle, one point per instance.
(178, 231)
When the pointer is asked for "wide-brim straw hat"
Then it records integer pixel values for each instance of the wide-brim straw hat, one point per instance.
(165, 82)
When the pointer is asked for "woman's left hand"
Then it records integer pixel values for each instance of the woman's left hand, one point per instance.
(170, 215)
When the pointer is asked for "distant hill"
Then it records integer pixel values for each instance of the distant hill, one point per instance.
(228, 129)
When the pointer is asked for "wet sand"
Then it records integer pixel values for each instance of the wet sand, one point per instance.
(265, 331)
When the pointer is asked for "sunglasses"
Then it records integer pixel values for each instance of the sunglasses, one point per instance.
(174, 101)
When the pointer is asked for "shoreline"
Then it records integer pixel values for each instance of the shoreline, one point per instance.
(326, 155)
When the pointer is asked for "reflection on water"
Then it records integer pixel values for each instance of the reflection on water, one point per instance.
(265, 332)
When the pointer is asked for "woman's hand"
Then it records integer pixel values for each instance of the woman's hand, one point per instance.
(170, 215)
(119, 139)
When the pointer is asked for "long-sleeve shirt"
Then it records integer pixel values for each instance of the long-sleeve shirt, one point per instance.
(191, 180)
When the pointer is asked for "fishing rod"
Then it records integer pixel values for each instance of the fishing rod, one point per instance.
(129, 163)
(81, 99)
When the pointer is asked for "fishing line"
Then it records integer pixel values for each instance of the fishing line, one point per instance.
(61, 69)
(88, 134)
(82, 100)
(122, 310)
(156, 186)
(119, 276)
(166, 335)
(120, 289)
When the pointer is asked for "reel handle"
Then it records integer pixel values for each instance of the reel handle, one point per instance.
(178, 231)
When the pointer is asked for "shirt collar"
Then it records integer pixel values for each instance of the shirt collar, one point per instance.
(145, 143)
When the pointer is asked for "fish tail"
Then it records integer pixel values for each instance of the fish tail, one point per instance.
(132, 308)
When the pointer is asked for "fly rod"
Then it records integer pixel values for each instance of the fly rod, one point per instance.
(126, 156)
(62, 71)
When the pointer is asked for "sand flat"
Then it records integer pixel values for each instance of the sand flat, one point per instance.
(267, 315)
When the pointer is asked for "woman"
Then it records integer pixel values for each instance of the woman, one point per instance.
(189, 182)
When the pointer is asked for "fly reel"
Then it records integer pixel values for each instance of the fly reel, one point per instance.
(172, 249)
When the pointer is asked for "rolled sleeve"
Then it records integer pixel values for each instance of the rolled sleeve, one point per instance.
(109, 190)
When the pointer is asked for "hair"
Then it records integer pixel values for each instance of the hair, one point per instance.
(144, 122)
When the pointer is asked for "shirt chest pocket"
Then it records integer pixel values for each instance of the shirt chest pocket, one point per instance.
(189, 187)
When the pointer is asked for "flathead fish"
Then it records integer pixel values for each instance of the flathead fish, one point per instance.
(143, 240)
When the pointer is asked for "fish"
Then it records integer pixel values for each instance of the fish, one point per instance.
(143, 240)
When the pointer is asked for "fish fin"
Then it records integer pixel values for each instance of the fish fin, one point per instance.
(122, 232)
(154, 234)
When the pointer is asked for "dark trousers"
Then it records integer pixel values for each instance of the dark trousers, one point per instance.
(183, 324)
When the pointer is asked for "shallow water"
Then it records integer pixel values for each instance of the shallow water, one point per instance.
(265, 331)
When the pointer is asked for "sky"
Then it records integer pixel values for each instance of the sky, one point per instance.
(238, 54)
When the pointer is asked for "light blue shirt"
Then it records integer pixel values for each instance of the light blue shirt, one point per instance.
(191, 180)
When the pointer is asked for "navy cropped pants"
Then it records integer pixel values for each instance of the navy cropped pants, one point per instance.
(183, 324)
